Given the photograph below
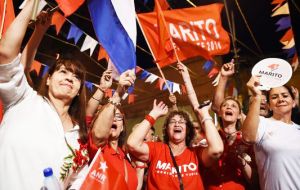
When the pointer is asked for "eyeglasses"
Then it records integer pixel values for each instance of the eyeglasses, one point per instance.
(173, 122)
(118, 117)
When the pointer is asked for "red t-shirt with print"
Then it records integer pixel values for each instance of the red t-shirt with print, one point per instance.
(162, 173)
(118, 160)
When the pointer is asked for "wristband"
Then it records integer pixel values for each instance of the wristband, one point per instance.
(103, 91)
(141, 166)
(113, 103)
(96, 99)
(205, 119)
(150, 119)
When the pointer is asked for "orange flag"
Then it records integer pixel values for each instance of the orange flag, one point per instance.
(58, 20)
(7, 15)
(102, 175)
(164, 5)
(195, 32)
(164, 41)
(36, 66)
(69, 6)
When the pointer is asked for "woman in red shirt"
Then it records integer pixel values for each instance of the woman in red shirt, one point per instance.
(236, 167)
(108, 133)
(173, 164)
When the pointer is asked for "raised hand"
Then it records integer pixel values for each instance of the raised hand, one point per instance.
(253, 85)
(203, 109)
(43, 21)
(127, 78)
(106, 80)
(159, 109)
(172, 98)
(227, 69)
(181, 67)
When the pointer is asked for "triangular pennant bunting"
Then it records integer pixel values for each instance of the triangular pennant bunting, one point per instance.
(74, 33)
(58, 20)
(89, 43)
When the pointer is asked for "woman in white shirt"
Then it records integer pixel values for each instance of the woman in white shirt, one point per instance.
(276, 139)
(39, 130)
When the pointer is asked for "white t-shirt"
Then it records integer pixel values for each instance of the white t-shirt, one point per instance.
(32, 137)
(277, 152)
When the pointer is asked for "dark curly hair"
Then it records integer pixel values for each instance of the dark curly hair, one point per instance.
(190, 133)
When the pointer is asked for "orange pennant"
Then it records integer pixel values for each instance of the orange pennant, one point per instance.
(7, 15)
(287, 36)
(36, 66)
(69, 6)
(58, 20)
(194, 31)
(295, 62)
(160, 83)
(183, 89)
(138, 69)
(102, 54)
(276, 2)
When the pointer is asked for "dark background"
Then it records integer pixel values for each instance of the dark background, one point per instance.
(256, 12)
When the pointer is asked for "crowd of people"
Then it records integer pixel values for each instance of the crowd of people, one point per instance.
(50, 123)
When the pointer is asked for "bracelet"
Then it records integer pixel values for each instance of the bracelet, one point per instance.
(96, 99)
(141, 166)
(205, 119)
(150, 119)
(103, 91)
(114, 103)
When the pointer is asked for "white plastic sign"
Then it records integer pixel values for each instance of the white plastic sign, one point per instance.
(274, 72)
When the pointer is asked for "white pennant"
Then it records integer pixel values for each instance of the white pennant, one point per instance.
(151, 78)
(176, 88)
(283, 10)
(89, 43)
(42, 4)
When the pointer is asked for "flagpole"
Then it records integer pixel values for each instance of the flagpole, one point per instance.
(161, 73)
(3, 19)
(35, 9)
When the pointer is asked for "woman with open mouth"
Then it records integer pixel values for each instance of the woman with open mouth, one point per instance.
(174, 163)
(108, 132)
(235, 168)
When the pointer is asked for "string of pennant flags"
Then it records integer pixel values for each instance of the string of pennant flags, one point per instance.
(281, 10)
(89, 43)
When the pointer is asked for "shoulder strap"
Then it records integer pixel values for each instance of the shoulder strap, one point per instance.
(177, 169)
